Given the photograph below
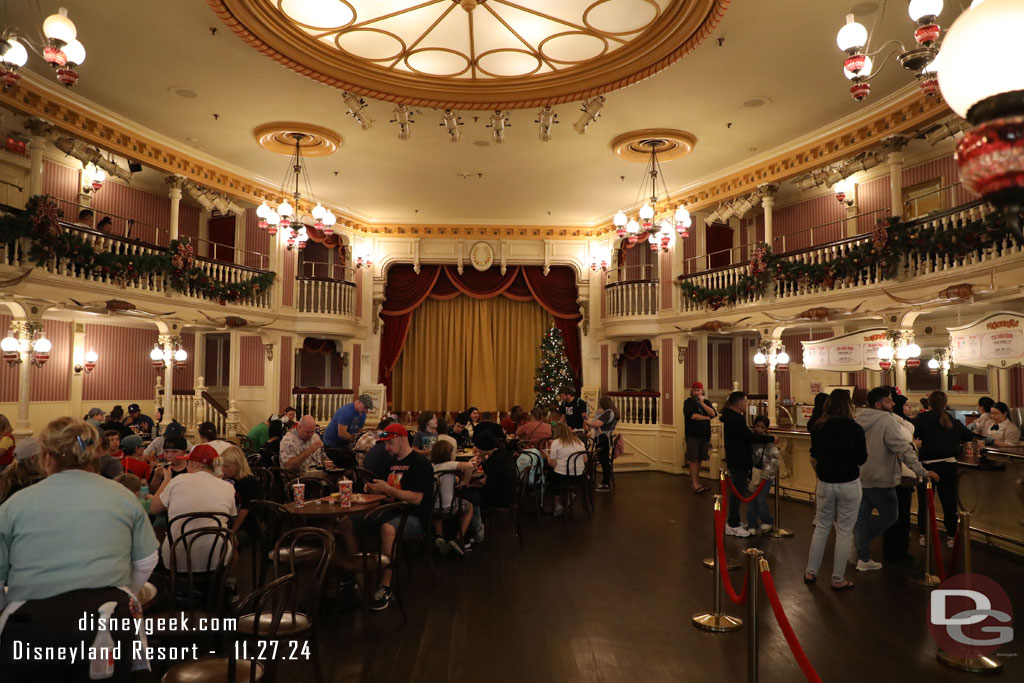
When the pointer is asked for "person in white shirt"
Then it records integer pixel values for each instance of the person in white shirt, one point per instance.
(302, 449)
(984, 421)
(208, 434)
(198, 491)
(1002, 432)
(566, 468)
(442, 457)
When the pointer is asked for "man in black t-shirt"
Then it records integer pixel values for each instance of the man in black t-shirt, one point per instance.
(411, 480)
(697, 414)
(573, 410)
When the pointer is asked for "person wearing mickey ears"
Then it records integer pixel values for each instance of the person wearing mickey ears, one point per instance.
(410, 480)
(698, 413)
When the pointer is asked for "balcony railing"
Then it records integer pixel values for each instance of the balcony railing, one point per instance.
(637, 407)
(320, 403)
(911, 266)
(326, 296)
(17, 254)
(631, 290)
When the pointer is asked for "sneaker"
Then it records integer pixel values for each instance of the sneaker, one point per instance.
(467, 544)
(478, 536)
(920, 540)
(457, 547)
(381, 599)
(949, 542)
(767, 527)
(736, 531)
(442, 545)
(603, 488)
(868, 566)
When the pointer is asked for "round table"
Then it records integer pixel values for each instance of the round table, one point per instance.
(314, 510)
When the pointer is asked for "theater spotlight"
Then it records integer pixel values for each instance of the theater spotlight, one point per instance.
(546, 117)
(451, 121)
(499, 121)
(356, 105)
(403, 117)
(590, 109)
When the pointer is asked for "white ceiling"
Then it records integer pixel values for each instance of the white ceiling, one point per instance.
(140, 53)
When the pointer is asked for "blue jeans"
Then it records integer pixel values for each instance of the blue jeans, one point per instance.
(837, 503)
(758, 508)
(869, 526)
(740, 479)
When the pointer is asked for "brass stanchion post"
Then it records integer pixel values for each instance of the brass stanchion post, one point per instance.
(715, 621)
(778, 531)
(711, 562)
(974, 663)
(926, 579)
(753, 578)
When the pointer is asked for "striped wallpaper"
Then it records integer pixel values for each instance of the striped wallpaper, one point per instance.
(357, 364)
(872, 195)
(605, 364)
(188, 221)
(8, 374)
(251, 361)
(724, 374)
(150, 212)
(946, 170)
(62, 182)
(689, 249)
(287, 278)
(185, 378)
(257, 241)
(287, 363)
(791, 224)
(319, 370)
(52, 382)
(980, 383)
(1016, 397)
(124, 371)
(667, 362)
(690, 366)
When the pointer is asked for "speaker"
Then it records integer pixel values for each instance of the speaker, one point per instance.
(134, 166)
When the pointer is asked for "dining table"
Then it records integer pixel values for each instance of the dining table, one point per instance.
(324, 508)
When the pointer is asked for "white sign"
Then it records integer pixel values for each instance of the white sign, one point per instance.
(847, 353)
(997, 340)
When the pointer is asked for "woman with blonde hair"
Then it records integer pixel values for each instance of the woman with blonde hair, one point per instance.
(6, 442)
(71, 543)
(566, 468)
(234, 467)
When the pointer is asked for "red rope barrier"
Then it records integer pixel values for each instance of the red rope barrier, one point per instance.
(787, 629)
(934, 530)
(955, 560)
(723, 567)
(754, 495)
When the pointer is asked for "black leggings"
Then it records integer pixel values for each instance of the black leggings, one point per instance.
(604, 456)
(946, 490)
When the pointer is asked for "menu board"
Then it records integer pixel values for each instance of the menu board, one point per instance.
(997, 340)
(848, 353)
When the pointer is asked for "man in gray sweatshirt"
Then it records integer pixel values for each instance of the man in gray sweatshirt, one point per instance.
(888, 446)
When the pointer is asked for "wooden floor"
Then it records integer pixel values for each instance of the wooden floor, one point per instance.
(611, 600)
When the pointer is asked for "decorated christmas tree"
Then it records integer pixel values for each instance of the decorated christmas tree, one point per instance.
(553, 373)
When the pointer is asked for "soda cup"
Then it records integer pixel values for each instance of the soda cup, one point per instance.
(299, 494)
(345, 493)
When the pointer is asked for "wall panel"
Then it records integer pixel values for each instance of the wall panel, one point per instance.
(251, 361)
(151, 213)
(124, 371)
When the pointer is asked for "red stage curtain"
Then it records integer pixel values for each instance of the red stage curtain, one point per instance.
(406, 290)
(314, 345)
(639, 349)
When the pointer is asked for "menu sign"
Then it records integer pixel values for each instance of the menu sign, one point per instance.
(847, 353)
(996, 340)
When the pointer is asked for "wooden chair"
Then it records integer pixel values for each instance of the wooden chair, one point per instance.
(266, 479)
(510, 515)
(271, 520)
(446, 514)
(535, 484)
(283, 478)
(578, 484)
(316, 487)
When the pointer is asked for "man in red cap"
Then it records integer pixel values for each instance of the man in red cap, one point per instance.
(200, 490)
(410, 480)
(697, 412)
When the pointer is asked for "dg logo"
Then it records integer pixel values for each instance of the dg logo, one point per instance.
(969, 615)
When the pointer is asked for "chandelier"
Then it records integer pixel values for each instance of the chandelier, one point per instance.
(656, 227)
(272, 219)
(61, 50)
(859, 66)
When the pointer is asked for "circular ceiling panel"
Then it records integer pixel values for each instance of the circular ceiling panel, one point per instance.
(279, 137)
(668, 143)
(474, 54)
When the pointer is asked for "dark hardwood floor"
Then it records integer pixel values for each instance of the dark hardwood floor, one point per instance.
(611, 600)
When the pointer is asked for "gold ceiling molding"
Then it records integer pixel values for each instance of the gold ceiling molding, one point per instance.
(279, 137)
(669, 143)
(521, 232)
(483, 54)
(31, 99)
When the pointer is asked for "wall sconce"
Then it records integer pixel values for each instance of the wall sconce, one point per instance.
(681, 355)
(40, 351)
(11, 348)
(88, 364)
(594, 265)
(157, 357)
(771, 354)
(93, 178)
(615, 360)
(843, 190)
(180, 358)
(364, 262)
(171, 353)
(344, 359)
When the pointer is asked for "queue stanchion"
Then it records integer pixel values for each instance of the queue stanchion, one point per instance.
(975, 663)
(715, 621)
(753, 570)
(778, 531)
(927, 578)
(720, 500)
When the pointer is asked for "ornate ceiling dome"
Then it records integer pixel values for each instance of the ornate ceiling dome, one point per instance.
(474, 54)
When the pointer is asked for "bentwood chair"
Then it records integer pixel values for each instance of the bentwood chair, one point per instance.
(577, 483)
(283, 479)
(534, 484)
(447, 514)
(271, 520)
(266, 479)
(510, 515)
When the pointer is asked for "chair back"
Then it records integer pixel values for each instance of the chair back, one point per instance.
(246, 444)
(384, 512)
(544, 444)
(266, 479)
(277, 598)
(440, 480)
(197, 578)
(524, 484)
(578, 463)
(269, 458)
(360, 478)
(180, 524)
(283, 478)
(317, 549)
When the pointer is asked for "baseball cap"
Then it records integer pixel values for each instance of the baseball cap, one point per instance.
(174, 429)
(204, 454)
(175, 442)
(130, 443)
(392, 431)
(27, 448)
(485, 441)
(366, 400)
(134, 408)
(696, 385)
(93, 412)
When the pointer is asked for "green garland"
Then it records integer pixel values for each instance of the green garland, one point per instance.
(40, 222)
(891, 241)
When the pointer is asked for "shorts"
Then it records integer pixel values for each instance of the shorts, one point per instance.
(564, 479)
(413, 525)
(696, 449)
(462, 506)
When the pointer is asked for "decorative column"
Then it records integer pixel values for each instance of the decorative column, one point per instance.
(894, 157)
(767, 192)
(39, 131)
(198, 405)
(174, 185)
(168, 343)
(232, 425)
(23, 330)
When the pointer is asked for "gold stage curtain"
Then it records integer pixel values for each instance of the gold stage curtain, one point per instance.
(470, 352)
